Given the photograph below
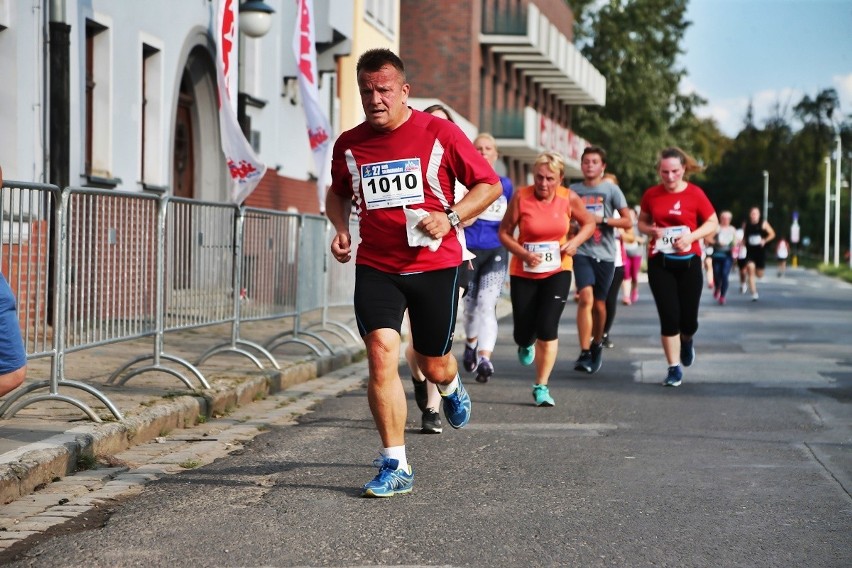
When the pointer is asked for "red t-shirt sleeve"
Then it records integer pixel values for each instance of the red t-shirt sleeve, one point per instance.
(468, 165)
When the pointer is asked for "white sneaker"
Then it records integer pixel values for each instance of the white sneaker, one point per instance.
(743, 288)
(754, 297)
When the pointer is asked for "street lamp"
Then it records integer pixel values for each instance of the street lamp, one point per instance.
(255, 18)
(826, 243)
(837, 203)
(765, 196)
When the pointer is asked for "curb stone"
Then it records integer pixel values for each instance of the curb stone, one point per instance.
(35, 465)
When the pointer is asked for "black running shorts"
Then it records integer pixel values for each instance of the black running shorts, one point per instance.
(431, 298)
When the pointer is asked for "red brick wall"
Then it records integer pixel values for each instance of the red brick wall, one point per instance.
(559, 14)
(279, 192)
(439, 43)
(28, 261)
(112, 266)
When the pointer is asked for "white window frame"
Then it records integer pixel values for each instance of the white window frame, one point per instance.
(381, 14)
(152, 173)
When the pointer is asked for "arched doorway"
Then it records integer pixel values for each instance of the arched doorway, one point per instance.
(183, 160)
(198, 168)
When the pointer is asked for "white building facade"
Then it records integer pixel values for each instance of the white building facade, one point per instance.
(122, 94)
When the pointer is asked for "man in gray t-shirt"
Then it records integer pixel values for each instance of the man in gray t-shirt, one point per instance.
(594, 263)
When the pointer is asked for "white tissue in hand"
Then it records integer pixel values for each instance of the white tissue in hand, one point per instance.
(416, 237)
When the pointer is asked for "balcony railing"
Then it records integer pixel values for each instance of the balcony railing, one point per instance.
(504, 20)
(505, 123)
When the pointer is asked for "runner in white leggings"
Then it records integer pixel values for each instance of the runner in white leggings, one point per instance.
(480, 302)
(487, 273)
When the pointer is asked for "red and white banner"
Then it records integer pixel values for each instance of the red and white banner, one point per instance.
(245, 168)
(319, 130)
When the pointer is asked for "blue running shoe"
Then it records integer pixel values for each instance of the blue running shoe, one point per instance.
(542, 397)
(674, 378)
(526, 355)
(390, 480)
(584, 362)
(687, 352)
(597, 357)
(457, 406)
(469, 358)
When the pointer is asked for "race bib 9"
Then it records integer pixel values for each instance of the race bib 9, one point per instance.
(392, 184)
(551, 257)
(665, 244)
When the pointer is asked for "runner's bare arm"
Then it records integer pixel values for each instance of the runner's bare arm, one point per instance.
(338, 209)
(477, 200)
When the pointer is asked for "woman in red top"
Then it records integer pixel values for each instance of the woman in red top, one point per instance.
(676, 215)
(540, 268)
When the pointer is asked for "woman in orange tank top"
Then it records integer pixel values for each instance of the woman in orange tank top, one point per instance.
(540, 268)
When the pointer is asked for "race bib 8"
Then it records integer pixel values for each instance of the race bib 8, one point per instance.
(665, 244)
(551, 256)
(392, 184)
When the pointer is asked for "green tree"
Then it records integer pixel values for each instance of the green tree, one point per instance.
(635, 45)
(794, 160)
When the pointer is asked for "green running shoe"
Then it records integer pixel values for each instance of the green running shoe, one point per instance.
(526, 355)
(542, 397)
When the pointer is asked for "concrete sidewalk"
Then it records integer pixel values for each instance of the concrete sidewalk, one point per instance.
(45, 441)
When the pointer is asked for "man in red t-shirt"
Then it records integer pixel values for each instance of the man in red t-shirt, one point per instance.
(399, 168)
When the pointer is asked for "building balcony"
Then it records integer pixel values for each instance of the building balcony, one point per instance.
(523, 135)
(532, 44)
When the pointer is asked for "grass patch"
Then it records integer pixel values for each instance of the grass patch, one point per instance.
(175, 394)
(842, 272)
(189, 464)
(86, 462)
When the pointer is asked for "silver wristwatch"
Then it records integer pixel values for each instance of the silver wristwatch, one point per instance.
(453, 217)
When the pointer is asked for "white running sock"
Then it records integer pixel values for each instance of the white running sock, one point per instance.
(471, 344)
(396, 453)
(447, 389)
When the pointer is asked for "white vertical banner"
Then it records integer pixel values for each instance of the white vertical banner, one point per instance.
(319, 130)
(245, 168)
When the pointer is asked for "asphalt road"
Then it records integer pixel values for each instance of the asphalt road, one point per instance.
(747, 464)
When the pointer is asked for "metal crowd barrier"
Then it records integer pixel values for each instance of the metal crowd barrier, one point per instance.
(105, 266)
(312, 257)
(194, 264)
(340, 280)
(35, 257)
(270, 265)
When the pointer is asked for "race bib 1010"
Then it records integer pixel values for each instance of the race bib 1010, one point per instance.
(392, 184)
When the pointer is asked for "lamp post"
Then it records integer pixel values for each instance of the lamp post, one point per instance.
(794, 238)
(837, 203)
(255, 18)
(255, 21)
(826, 243)
(765, 195)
